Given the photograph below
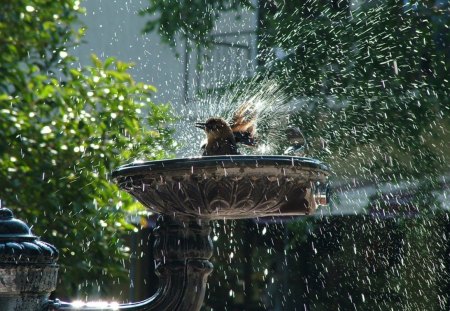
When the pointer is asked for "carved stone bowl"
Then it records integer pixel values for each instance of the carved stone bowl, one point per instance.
(227, 187)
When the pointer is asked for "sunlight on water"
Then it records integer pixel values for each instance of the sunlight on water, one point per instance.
(267, 99)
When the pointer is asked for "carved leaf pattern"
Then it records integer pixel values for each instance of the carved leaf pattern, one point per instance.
(224, 196)
(227, 187)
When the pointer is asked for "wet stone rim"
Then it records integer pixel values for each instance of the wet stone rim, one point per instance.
(213, 162)
(225, 186)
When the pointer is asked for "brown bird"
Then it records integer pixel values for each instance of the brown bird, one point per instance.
(221, 137)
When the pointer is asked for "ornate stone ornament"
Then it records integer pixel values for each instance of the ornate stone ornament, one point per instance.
(229, 187)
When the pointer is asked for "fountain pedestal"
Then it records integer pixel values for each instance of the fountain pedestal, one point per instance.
(189, 193)
(182, 250)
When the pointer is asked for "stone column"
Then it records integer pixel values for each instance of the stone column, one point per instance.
(182, 251)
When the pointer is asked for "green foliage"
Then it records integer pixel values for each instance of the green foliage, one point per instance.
(341, 262)
(375, 79)
(62, 131)
(365, 263)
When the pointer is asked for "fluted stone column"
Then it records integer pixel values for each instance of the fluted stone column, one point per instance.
(182, 251)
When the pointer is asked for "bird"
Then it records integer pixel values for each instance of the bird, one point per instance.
(222, 137)
(243, 124)
(260, 118)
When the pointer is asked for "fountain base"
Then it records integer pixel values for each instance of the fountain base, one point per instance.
(189, 193)
(182, 251)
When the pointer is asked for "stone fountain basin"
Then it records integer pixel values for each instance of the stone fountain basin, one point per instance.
(227, 187)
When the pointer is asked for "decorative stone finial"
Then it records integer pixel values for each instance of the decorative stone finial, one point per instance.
(11, 227)
(27, 266)
(5, 214)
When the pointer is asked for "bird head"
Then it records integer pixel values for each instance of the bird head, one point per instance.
(215, 128)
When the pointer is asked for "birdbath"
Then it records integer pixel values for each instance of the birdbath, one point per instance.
(189, 193)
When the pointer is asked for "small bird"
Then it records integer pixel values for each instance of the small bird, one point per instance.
(222, 138)
(219, 137)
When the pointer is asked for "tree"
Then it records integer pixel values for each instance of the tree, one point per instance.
(63, 129)
(375, 80)
(372, 86)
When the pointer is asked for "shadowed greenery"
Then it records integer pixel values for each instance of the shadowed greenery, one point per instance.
(370, 80)
(63, 128)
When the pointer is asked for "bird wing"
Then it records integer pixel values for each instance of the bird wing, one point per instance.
(245, 138)
(243, 124)
(244, 117)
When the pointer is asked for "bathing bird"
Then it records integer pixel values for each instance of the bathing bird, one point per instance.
(222, 137)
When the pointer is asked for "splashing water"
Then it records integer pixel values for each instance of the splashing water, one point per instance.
(265, 100)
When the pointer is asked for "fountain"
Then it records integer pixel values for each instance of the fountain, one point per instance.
(189, 193)
(225, 187)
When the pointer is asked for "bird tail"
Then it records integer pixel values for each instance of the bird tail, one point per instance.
(243, 124)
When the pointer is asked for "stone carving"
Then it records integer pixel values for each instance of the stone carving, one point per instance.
(28, 269)
(188, 193)
(230, 187)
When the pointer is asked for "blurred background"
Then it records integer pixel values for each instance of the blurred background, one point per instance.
(368, 83)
